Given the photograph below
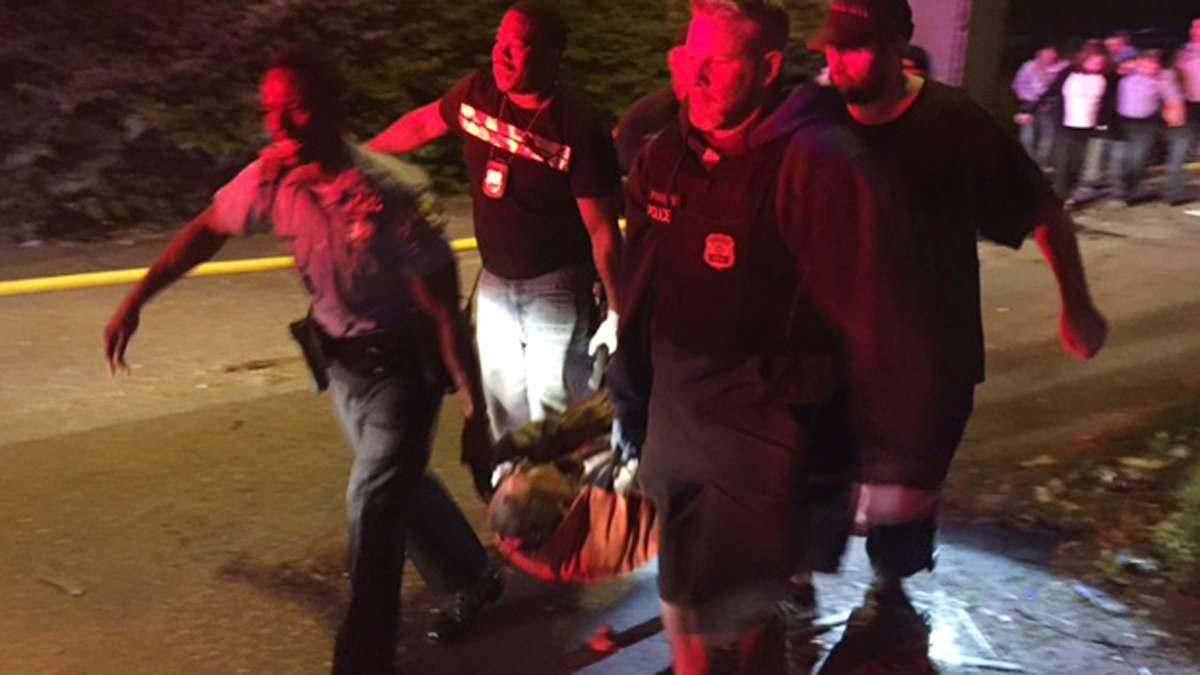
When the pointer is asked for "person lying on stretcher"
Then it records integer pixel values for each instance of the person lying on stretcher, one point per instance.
(566, 508)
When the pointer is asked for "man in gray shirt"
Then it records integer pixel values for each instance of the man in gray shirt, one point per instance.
(1038, 122)
(1145, 96)
(1185, 135)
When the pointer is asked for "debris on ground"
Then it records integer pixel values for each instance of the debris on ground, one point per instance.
(1129, 563)
(62, 582)
(1100, 599)
(1039, 461)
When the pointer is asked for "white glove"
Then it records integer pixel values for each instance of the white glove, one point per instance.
(503, 470)
(625, 477)
(605, 335)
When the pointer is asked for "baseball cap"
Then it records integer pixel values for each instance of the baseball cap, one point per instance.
(855, 22)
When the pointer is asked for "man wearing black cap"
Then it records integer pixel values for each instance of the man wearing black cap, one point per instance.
(953, 174)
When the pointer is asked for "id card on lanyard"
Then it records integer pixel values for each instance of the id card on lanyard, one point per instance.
(495, 172)
(495, 178)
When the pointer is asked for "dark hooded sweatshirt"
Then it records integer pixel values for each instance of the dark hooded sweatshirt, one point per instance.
(743, 295)
(739, 291)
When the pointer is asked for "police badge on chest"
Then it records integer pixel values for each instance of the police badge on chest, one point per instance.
(720, 251)
(495, 178)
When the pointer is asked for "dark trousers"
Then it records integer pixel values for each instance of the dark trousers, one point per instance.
(394, 507)
(1038, 136)
(1138, 136)
(1070, 151)
(1180, 143)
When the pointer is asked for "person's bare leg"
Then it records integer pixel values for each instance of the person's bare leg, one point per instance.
(689, 653)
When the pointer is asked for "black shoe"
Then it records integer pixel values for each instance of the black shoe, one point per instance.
(464, 607)
(886, 610)
(797, 613)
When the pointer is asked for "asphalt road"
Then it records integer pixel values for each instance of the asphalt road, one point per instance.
(188, 519)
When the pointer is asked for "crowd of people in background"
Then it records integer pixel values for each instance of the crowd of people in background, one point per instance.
(1096, 118)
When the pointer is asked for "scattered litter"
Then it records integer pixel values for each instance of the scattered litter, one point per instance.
(1037, 462)
(1124, 640)
(1042, 494)
(1179, 452)
(602, 640)
(1100, 599)
(981, 640)
(1143, 464)
(1107, 477)
(1003, 309)
(30, 243)
(1137, 565)
(61, 582)
(1064, 626)
(1144, 671)
(1002, 618)
(1192, 212)
(1152, 600)
(990, 664)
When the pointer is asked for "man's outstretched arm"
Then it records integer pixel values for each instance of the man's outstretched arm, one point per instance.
(196, 243)
(411, 131)
(436, 295)
(1082, 328)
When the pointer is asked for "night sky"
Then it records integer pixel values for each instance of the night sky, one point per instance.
(1154, 23)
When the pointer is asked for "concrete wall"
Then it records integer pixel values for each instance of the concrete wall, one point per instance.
(965, 40)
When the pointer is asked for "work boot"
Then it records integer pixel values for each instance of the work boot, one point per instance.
(464, 607)
(885, 634)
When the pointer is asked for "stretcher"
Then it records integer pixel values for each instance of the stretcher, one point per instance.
(554, 507)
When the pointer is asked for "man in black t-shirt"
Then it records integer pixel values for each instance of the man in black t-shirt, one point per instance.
(953, 174)
(545, 186)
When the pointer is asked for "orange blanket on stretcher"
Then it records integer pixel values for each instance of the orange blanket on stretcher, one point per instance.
(602, 535)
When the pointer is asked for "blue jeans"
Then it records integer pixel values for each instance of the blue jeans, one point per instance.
(532, 336)
(1180, 143)
(1097, 162)
(394, 507)
(1070, 152)
(1038, 137)
(1133, 155)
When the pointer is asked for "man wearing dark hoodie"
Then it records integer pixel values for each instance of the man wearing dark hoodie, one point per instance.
(724, 357)
(952, 174)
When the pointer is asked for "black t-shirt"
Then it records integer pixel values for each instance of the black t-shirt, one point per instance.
(953, 174)
(535, 228)
(642, 121)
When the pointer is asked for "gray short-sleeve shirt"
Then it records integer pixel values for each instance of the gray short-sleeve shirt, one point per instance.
(357, 236)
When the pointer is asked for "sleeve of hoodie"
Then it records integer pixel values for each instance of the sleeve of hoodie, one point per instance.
(630, 373)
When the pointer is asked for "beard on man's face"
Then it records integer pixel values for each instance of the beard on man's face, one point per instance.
(858, 93)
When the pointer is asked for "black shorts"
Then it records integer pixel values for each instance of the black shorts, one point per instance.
(911, 448)
(714, 543)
